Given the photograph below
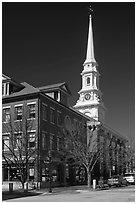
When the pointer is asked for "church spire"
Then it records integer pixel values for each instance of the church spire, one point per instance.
(90, 97)
(90, 46)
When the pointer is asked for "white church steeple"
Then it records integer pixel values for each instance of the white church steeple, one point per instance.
(90, 99)
(90, 46)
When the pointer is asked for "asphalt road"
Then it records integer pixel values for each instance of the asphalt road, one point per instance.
(123, 194)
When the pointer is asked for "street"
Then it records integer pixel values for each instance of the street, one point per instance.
(123, 194)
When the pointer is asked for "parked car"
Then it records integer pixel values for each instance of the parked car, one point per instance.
(130, 177)
(117, 180)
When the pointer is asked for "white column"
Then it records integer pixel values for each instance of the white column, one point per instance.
(83, 81)
(95, 85)
(7, 90)
(4, 89)
(92, 77)
(58, 95)
(97, 82)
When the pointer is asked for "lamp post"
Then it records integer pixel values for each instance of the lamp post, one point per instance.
(50, 173)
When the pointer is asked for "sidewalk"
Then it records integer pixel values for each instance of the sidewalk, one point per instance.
(68, 189)
(17, 192)
(18, 187)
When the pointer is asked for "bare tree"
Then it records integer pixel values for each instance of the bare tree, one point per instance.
(84, 149)
(130, 158)
(20, 150)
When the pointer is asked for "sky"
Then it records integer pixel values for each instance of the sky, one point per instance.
(45, 43)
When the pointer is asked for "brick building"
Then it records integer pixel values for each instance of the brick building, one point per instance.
(47, 108)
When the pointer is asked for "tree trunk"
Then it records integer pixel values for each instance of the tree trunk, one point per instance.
(89, 178)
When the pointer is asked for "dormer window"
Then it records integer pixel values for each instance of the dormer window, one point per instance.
(5, 89)
(88, 81)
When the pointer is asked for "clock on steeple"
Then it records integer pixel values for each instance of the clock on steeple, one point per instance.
(87, 96)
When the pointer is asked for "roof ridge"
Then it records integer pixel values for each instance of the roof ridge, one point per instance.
(59, 84)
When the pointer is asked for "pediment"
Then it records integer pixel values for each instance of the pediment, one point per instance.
(65, 88)
(4, 77)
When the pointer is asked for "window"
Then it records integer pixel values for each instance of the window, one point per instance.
(44, 140)
(32, 110)
(59, 118)
(18, 113)
(68, 124)
(18, 140)
(32, 138)
(44, 112)
(75, 124)
(6, 114)
(52, 115)
(53, 142)
(88, 81)
(92, 80)
(5, 143)
(31, 173)
(57, 96)
(60, 143)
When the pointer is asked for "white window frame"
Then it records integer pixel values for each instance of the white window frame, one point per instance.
(31, 103)
(43, 141)
(60, 113)
(43, 118)
(19, 132)
(33, 132)
(6, 107)
(53, 109)
(16, 106)
(28, 104)
(52, 135)
(6, 135)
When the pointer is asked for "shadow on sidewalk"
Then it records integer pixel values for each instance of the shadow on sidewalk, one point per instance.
(17, 194)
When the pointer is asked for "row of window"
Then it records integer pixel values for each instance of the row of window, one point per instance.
(54, 143)
(52, 114)
(18, 140)
(31, 113)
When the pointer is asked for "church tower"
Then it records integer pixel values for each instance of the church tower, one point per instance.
(90, 99)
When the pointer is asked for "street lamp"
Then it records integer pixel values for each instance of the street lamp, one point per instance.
(50, 172)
